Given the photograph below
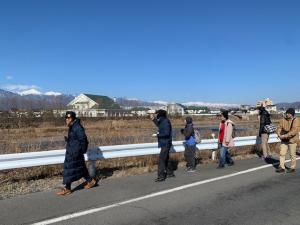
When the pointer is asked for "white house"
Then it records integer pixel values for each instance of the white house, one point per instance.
(87, 105)
(175, 109)
(88, 101)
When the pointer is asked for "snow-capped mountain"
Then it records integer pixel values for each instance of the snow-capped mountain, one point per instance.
(136, 103)
(161, 102)
(33, 99)
(133, 102)
(211, 105)
(34, 91)
(4, 93)
(52, 93)
(30, 92)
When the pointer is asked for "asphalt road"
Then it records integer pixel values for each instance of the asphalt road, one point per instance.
(250, 197)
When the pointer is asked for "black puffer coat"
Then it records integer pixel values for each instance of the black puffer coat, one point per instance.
(77, 144)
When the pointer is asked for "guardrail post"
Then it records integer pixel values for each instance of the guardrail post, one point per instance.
(213, 155)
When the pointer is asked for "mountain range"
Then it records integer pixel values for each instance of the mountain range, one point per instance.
(33, 100)
(125, 102)
(286, 105)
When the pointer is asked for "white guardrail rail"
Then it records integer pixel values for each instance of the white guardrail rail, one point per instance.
(24, 160)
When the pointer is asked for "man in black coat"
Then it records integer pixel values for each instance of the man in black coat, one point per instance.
(164, 137)
(74, 165)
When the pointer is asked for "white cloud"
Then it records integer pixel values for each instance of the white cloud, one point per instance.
(9, 77)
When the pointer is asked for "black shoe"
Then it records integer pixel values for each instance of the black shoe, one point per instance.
(171, 175)
(160, 179)
(231, 164)
(280, 170)
(291, 171)
(220, 167)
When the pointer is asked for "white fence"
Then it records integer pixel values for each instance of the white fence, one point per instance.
(23, 160)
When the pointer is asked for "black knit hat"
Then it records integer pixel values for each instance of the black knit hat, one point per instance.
(290, 111)
(70, 114)
(225, 114)
(189, 120)
(161, 113)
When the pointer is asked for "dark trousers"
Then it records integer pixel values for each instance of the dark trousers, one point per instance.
(189, 155)
(164, 164)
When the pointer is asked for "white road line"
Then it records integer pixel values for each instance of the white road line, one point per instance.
(91, 211)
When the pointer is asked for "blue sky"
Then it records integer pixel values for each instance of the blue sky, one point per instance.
(213, 51)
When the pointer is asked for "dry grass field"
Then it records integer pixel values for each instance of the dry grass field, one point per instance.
(18, 136)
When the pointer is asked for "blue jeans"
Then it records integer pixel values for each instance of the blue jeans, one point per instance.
(225, 156)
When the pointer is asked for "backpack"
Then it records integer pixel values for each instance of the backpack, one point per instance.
(197, 136)
(233, 130)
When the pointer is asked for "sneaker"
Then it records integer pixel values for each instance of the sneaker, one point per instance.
(64, 192)
(220, 167)
(280, 170)
(90, 184)
(191, 170)
(160, 179)
(291, 171)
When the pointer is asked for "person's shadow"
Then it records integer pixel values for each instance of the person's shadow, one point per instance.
(271, 160)
(100, 174)
(274, 162)
(173, 163)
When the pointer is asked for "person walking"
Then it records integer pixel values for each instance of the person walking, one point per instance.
(288, 133)
(74, 164)
(190, 144)
(264, 118)
(225, 140)
(164, 137)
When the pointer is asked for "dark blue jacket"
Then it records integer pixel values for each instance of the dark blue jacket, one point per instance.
(164, 135)
(77, 144)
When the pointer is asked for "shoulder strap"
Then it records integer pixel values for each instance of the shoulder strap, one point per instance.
(292, 124)
(227, 123)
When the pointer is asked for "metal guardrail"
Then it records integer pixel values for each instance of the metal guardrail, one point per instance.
(24, 160)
